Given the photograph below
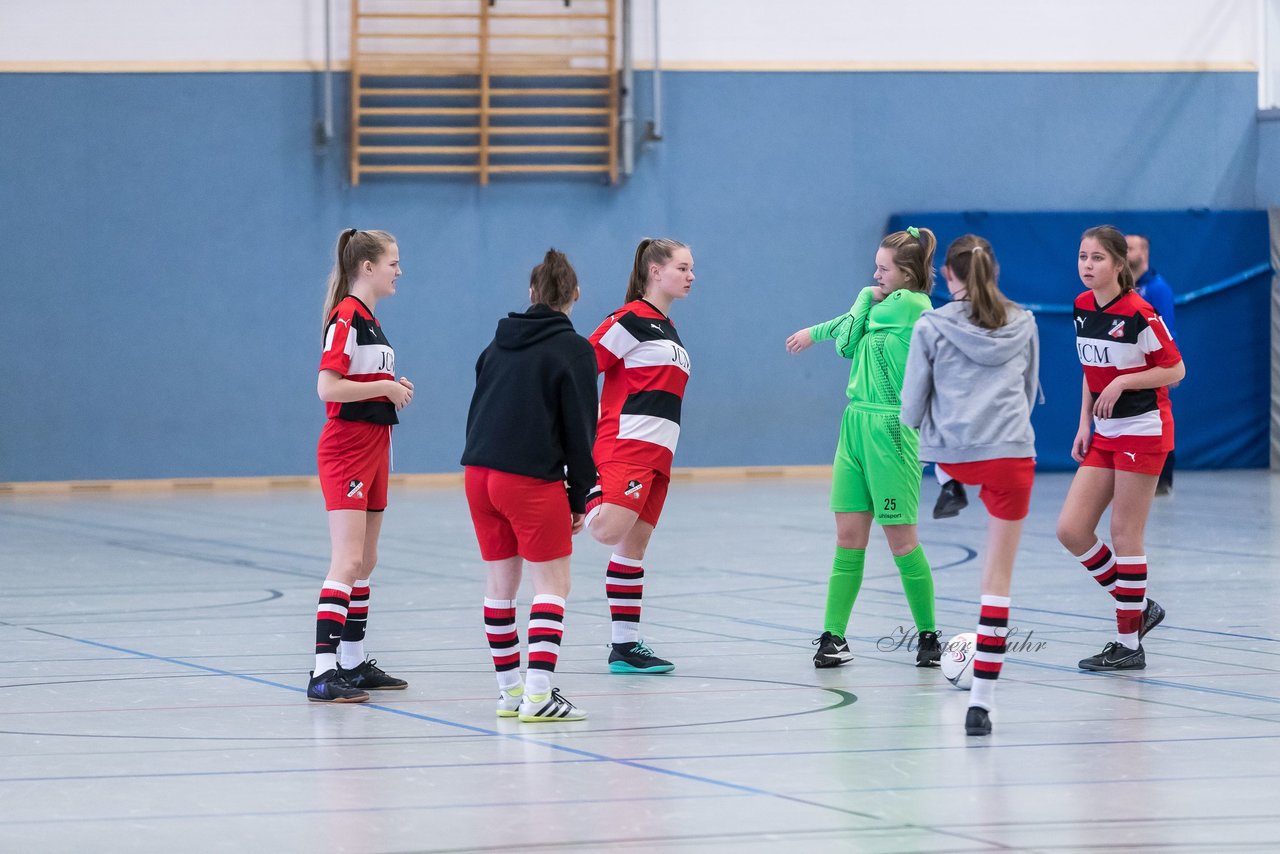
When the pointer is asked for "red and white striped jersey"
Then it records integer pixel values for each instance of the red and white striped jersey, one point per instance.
(356, 349)
(1126, 336)
(645, 369)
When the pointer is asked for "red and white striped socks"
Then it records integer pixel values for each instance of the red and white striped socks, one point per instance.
(351, 650)
(1125, 578)
(624, 585)
(993, 628)
(331, 616)
(1101, 564)
(1131, 597)
(546, 629)
(504, 640)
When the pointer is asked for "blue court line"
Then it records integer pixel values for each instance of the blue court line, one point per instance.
(573, 751)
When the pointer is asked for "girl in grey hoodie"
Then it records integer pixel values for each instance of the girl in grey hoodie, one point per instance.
(970, 384)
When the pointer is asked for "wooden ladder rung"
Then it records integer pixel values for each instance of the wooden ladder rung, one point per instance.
(419, 111)
(598, 93)
(548, 167)
(458, 36)
(458, 168)
(508, 130)
(435, 16)
(549, 149)
(556, 36)
(535, 17)
(414, 131)
(549, 111)
(381, 90)
(418, 149)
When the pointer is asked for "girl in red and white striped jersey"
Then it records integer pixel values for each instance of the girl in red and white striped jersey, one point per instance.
(645, 369)
(358, 384)
(1126, 429)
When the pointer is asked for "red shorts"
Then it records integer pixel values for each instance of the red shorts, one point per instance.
(1139, 462)
(353, 458)
(634, 487)
(518, 515)
(1006, 483)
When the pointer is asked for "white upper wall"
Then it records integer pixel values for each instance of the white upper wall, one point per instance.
(729, 34)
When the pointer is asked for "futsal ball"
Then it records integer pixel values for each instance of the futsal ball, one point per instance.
(957, 660)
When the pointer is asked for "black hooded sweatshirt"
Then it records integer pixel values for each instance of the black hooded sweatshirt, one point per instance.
(535, 405)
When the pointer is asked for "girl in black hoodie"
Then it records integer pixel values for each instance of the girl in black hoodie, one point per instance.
(528, 464)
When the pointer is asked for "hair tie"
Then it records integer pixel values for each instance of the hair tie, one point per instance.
(913, 231)
(976, 248)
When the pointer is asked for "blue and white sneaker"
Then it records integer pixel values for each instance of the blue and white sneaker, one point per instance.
(549, 707)
(509, 701)
(637, 658)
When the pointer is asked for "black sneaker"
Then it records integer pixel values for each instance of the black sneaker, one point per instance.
(1115, 656)
(977, 721)
(1152, 616)
(637, 658)
(951, 500)
(833, 651)
(368, 676)
(330, 687)
(928, 650)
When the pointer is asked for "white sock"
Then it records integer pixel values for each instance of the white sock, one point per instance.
(351, 654)
(941, 476)
(326, 661)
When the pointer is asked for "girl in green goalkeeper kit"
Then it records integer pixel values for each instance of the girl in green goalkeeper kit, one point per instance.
(876, 475)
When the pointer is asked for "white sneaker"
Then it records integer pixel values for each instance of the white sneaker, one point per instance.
(509, 701)
(549, 707)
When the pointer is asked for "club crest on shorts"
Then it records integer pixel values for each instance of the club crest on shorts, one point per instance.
(353, 489)
(633, 488)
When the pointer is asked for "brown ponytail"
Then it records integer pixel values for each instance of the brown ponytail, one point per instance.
(913, 254)
(650, 251)
(354, 248)
(972, 261)
(1113, 243)
(554, 282)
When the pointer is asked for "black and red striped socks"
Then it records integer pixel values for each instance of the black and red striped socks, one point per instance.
(993, 628)
(624, 585)
(504, 640)
(546, 630)
(331, 616)
(1131, 597)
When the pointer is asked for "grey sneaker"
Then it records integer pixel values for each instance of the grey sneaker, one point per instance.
(1115, 656)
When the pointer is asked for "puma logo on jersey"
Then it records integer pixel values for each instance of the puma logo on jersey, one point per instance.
(353, 489)
(656, 326)
(1131, 455)
(1080, 322)
(633, 488)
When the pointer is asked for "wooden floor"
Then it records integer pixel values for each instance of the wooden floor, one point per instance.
(157, 649)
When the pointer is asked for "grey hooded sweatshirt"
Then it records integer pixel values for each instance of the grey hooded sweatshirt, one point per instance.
(969, 390)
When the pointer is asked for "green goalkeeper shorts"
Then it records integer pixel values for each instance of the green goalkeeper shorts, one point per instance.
(877, 466)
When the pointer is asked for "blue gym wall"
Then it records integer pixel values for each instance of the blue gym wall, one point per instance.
(167, 237)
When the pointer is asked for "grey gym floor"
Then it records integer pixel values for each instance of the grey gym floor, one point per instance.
(157, 647)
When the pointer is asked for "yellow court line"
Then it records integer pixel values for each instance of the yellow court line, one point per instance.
(447, 479)
(250, 66)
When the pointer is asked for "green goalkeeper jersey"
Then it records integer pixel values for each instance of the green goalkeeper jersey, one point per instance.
(876, 336)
